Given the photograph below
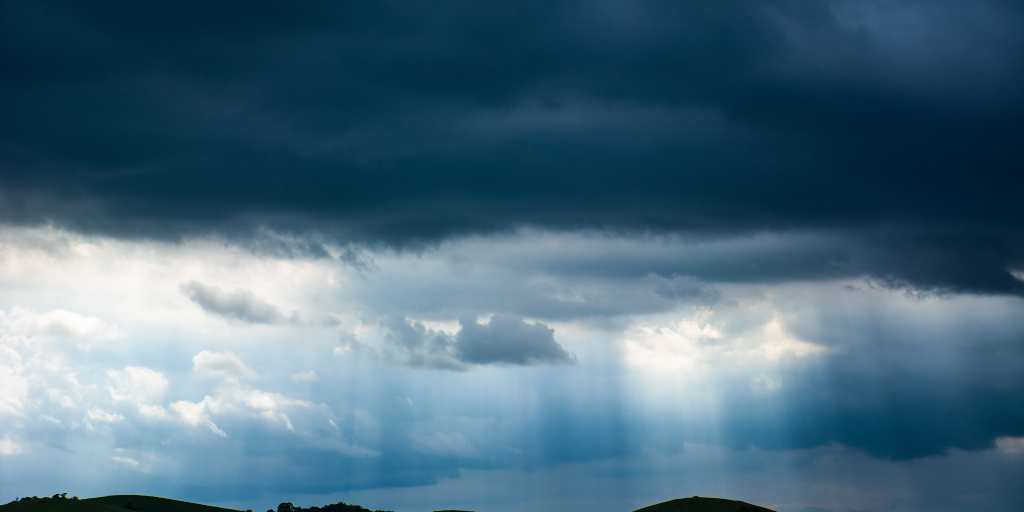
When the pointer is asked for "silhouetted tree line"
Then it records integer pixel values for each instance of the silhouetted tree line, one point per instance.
(61, 496)
(340, 506)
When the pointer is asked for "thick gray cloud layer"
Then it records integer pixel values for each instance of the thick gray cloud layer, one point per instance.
(240, 304)
(399, 123)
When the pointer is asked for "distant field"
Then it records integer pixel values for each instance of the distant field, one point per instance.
(132, 502)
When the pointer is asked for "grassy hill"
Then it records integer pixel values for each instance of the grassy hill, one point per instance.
(133, 502)
(117, 503)
(698, 504)
(56, 505)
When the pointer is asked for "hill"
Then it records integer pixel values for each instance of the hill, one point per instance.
(56, 504)
(699, 504)
(116, 503)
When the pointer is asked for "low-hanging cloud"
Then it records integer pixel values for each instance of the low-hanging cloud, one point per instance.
(506, 340)
(412, 344)
(240, 304)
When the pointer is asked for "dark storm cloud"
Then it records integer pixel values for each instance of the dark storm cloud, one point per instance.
(506, 340)
(402, 123)
(239, 304)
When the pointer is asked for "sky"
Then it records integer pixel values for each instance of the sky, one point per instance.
(549, 256)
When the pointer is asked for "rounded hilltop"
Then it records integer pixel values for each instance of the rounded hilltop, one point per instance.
(701, 504)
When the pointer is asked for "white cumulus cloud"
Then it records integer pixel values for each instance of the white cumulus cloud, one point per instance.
(8, 447)
(697, 342)
(13, 384)
(141, 387)
(198, 413)
(58, 322)
(223, 365)
(101, 415)
(137, 385)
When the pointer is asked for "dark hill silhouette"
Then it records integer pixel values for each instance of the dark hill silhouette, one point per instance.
(153, 504)
(699, 504)
(137, 503)
(57, 504)
(116, 503)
